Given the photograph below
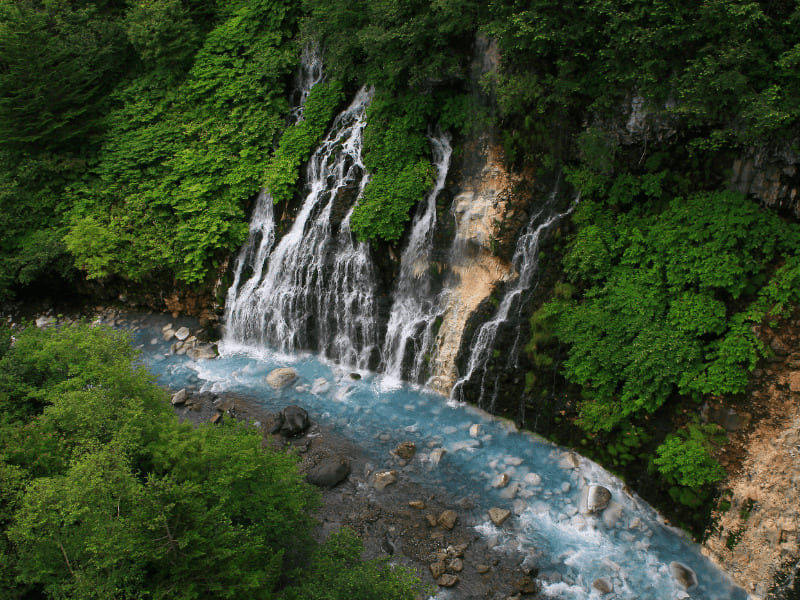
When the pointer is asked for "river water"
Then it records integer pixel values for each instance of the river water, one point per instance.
(628, 543)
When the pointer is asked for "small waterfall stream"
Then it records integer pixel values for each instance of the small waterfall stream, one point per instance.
(410, 333)
(526, 265)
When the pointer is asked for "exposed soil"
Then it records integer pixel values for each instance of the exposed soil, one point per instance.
(757, 526)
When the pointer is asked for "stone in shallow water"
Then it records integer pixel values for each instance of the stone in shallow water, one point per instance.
(501, 480)
(437, 454)
(182, 333)
(447, 580)
(447, 519)
(320, 386)
(499, 515)
(281, 377)
(597, 499)
(683, 575)
(532, 479)
(204, 352)
(475, 430)
(603, 585)
(384, 478)
(406, 450)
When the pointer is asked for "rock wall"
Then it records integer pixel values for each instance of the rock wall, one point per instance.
(771, 176)
(485, 194)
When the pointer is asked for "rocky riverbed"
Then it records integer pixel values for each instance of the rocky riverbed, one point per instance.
(413, 525)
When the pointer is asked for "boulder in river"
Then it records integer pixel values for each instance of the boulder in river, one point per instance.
(329, 472)
(295, 420)
(597, 499)
(406, 450)
(182, 333)
(179, 397)
(499, 515)
(603, 585)
(683, 575)
(280, 378)
(202, 352)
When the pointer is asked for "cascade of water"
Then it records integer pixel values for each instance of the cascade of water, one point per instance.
(317, 289)
(526, 265)
(410, 332)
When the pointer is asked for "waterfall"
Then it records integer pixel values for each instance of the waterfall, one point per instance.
(315, 289)
(411, 329)
(526, 265)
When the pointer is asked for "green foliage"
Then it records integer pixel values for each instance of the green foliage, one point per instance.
(661, 313)
(337, 573)
(105, 495)
(686, 459)
(709, 64)
(298, 141)
(395, 46)
(59, 63)
(163, 34)
(396, 154)
(180, 162)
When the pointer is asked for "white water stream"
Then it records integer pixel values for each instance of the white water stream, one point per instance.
(410, 333)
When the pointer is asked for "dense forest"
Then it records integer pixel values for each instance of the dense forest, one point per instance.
(135, 134)
(103, 494)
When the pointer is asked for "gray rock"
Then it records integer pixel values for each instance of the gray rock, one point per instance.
(683, 575)
(603, 585)
(182, 333)
(280, 378)
(597, 499)
(406, 450)
(384, 478)
(499, 515)
(295, 420)
(204, 352)
(179, 397)
(329, 472)
(273, 422)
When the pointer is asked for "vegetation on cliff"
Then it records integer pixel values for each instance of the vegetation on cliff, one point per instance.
(105, 495)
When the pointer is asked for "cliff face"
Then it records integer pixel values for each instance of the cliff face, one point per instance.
(757, 539)
(484, 196)
(771, 176)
